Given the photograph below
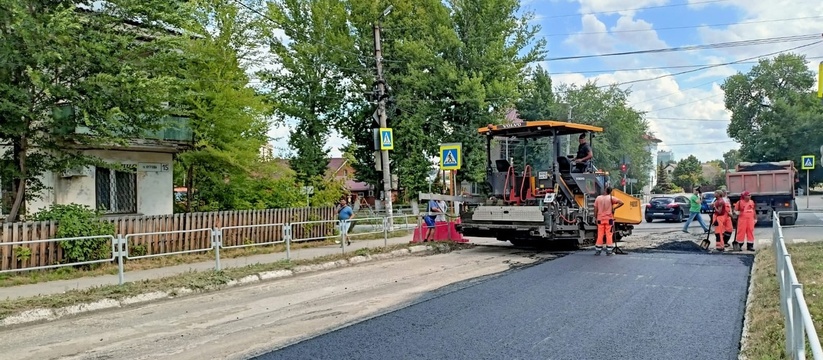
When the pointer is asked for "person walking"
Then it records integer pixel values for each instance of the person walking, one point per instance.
(722, 221)
(434, 211)
(344, 215)
(694, 212)
(746, 219)
(604, 215)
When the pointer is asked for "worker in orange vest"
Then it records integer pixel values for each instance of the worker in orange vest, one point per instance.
(722, 221)
(604, 215)
(745, 221)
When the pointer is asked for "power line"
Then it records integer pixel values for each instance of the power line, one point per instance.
(700, 143)
(684, 27)
(687, 119)
(603, 71)
(636, 9)
(710, 66)
(723, 45)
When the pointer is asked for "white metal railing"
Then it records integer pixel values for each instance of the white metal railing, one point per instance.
(799, 326)
(204, 240)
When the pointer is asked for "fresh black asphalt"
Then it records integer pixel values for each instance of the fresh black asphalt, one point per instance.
(656, 305)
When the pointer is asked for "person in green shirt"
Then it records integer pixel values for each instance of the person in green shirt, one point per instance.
(694, 212)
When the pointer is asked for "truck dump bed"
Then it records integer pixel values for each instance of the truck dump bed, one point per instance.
(776, 178)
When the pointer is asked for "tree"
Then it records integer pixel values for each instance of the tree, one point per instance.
(309, 85)
(731, 158)
(227, 116)
(538, 100)
(688, 173)
(664, 185)
(109, 82)
(775, 115)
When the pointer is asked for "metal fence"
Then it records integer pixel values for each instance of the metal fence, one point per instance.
(124, 247)
(798, 322)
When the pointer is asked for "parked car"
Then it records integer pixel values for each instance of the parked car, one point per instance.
(669, 208)
(706, 205)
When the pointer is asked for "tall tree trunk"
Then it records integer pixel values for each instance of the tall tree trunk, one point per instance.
(19, 149)
(189, 187)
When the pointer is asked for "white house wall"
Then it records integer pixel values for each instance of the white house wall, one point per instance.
(155, 195)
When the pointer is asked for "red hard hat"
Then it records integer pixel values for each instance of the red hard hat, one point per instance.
(745, 193)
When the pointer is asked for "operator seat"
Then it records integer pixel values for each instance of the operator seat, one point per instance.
(564, 164)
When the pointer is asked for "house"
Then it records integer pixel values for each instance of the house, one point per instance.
(340, 169)
(651, 146)
(669, 168)
(138, 178)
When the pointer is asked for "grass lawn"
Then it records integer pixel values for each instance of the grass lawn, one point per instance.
(766, 333)
(66, 273)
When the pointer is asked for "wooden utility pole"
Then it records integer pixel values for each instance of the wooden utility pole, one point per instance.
(381, 113)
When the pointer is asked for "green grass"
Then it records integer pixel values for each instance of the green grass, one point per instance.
(766, 332)
(199, 281)
(68, 273)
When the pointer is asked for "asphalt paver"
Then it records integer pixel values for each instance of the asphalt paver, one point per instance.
(659, 305)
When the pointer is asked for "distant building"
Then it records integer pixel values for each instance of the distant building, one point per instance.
(665, 157)
(651, 146)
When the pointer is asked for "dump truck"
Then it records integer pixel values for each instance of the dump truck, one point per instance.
(772, 188)
(542, 200)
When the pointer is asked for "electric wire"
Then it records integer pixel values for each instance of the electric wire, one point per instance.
(683, 27)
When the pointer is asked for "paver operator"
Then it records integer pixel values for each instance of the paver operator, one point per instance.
(604, 213)
(745, 222)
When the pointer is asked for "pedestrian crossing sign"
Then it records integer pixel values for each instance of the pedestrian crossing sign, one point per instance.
(450, 156)
(386, 139)
(808, 162)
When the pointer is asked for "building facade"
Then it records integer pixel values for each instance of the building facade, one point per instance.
(651, 146)
(665, 157)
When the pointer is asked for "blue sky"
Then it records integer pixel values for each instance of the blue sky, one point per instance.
(684, 111)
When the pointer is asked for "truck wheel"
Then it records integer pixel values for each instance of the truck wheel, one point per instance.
(787, 220)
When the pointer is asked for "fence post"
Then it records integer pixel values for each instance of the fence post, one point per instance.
(343, 230)
(120, 243)
(216, 243)
(788, 299)
(385, 231)
(287, 239)
(797, 323)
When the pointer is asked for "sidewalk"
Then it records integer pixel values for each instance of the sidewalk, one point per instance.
(60, 286)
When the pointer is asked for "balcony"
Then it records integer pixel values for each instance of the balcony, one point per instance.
(174, 129)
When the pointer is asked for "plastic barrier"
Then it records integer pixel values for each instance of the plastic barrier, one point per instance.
(443, 231)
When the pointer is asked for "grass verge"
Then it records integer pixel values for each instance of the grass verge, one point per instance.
(766, 336)
(201, 281)
(68, 273)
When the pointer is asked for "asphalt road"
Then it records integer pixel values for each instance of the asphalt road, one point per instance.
(636, 306)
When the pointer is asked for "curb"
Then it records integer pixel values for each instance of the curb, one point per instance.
(47, 314)
(746, 319)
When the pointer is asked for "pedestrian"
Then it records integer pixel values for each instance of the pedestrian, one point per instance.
(433, 211)
(344, 215)
(604, 215)
(694, 212)
(746, 218)
(722, 221)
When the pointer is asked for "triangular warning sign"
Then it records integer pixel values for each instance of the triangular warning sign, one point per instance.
(450, 160)
(386, 138)
(808, 162)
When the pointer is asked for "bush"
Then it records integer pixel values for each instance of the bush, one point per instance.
(74, 220)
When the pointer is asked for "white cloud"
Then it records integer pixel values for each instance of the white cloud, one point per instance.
(616, 6)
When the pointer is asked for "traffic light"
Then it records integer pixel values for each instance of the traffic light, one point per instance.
(623, 168)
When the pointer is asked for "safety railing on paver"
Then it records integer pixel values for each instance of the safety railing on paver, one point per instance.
(799, 326)
(156, 244)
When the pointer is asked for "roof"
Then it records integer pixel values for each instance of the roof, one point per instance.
(651, 138)
(537, 128)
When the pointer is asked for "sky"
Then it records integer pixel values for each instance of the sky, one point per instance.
(685, 111)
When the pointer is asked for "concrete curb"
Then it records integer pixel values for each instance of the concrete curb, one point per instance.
(744, 336)
(47, 314)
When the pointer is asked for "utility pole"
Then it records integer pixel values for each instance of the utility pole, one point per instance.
(381, 111)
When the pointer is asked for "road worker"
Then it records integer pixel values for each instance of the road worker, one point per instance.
(604, 215)
(746, 218)
(722, 221)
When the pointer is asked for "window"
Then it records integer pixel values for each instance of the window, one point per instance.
(116, 191)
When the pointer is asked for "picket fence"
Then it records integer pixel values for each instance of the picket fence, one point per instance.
(48, 253)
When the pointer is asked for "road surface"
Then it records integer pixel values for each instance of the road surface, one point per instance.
(639, 306)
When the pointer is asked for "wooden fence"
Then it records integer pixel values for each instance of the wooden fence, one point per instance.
(49, 253)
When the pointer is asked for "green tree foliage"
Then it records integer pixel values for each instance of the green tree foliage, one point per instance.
(775, 115)
(309, 87)
(623, 128)
(664, 185)
(227, 116)
(730, 159)
(536, 103)
(688, 173)
(74, 220)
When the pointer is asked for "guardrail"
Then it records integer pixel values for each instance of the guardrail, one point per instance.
(797, 319)
(232, 237)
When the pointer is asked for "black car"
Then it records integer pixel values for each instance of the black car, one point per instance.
(669, 208)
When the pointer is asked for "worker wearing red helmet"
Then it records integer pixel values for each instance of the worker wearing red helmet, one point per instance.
(722, 221)
(747, 217)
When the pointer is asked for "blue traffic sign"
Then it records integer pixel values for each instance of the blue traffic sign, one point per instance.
(450, 156)
(386, 139)
(808, 162)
